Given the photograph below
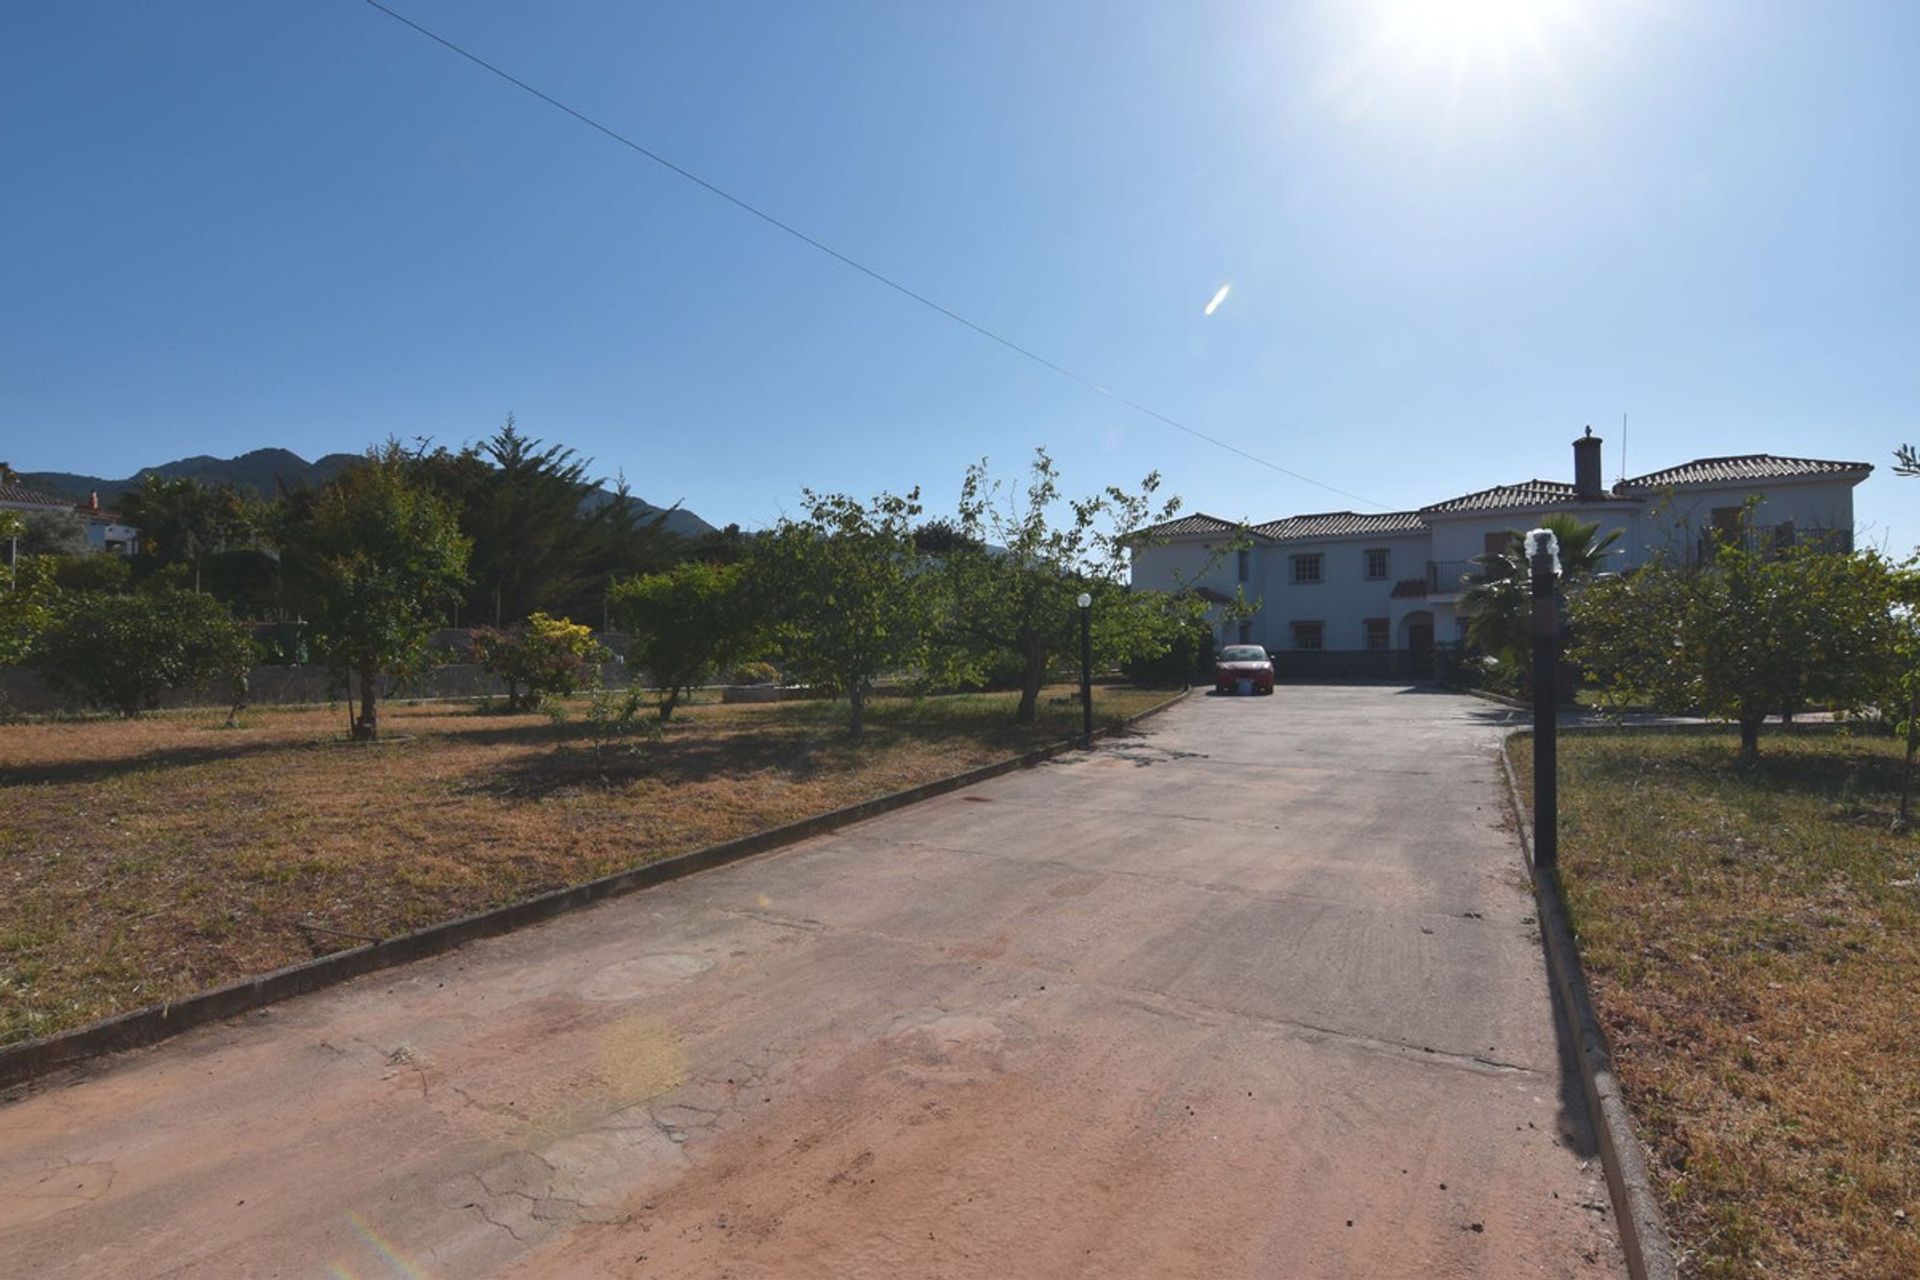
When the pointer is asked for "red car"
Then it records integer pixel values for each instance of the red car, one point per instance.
(1243, 668)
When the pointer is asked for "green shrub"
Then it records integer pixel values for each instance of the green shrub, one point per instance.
(613, 720)
(684, 623)
(26, 608)
(92, 573)
(754, 673)
(1187, 656)
(547, 656)
(121, 652)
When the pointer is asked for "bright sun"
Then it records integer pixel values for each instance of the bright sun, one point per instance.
(1466, 29)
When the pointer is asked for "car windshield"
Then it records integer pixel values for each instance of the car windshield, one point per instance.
(1243, 653)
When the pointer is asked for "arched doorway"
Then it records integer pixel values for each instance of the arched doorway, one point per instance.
(1416, 638)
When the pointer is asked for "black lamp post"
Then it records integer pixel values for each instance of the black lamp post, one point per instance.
(1543, 556)
(1086, 669)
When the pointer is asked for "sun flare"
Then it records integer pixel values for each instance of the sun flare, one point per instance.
(1473, 28)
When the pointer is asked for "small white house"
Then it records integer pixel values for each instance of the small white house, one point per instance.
(105, 531)
(1342, 593)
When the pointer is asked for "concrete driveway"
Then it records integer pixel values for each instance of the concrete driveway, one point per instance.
(1253, 993)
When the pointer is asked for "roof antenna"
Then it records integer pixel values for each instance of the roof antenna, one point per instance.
(1623, 448)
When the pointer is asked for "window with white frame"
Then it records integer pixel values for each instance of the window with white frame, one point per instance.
(1378, 635)
(1307, 569)
(1377, 564)
(1309, 635)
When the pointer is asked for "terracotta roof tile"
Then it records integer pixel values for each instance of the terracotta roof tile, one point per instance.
(1338, 524)
(1409, 588)
(1189, 527)
(37, 497)
(1743, 466)
(1528, 493)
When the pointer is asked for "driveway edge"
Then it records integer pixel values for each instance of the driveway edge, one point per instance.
(31, 1059)
(1636, 1206)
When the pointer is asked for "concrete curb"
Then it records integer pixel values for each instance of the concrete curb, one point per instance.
(1636, 1206)
(1518, 704)
(31, 1059)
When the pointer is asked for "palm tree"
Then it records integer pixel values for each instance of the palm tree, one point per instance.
(1498, 608)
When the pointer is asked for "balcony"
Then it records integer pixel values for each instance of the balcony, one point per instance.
(1451, 577)
(1763, 539)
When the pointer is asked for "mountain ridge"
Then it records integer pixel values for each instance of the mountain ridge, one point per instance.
(263, 471)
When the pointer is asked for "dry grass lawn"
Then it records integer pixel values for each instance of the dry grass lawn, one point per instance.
(143, 860)
(1752, 932)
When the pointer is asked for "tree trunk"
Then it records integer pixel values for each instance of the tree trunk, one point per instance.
(667, 702)
(1906, 776)
(241, 688)
(1031, 679)
(857, 695)
(1750, 737)
(367, 727)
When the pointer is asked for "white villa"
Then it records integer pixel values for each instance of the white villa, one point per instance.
(105, 531)
(1347, 594)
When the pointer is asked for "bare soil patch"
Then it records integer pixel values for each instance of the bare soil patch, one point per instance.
(1752, 933)
(144, 860)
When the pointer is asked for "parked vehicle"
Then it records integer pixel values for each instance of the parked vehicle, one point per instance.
(1243, 668)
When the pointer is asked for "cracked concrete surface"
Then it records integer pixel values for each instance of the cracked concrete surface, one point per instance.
(1253, 993)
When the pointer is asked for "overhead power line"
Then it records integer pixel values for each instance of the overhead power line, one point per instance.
(876, 276)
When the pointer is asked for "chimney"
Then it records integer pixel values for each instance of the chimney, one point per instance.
(1586, 466)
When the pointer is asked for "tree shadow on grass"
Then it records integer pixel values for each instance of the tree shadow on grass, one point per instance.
(572, 767)
(533, 732)
(774, 731)
(1801, 760)
(794, 751)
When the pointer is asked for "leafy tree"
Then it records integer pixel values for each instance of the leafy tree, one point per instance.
(1741, 637)
(122, 652)
(625, 539)
(545, 656)
(845, 596)
(684, 624)
(182, 521)
(1015, 570)
(52, 533)
(1906, 461)
(91, 572)
(943, 537)
(1499, 608)
(26, 607)
(1900, 700)
(245, 579)
(1174, 641)
(542, 537)
(730, 545)
(373, 559)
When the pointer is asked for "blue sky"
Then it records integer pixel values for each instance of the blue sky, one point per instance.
(1453, 239)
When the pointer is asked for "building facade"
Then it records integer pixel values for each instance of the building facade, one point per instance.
(1341, 593)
